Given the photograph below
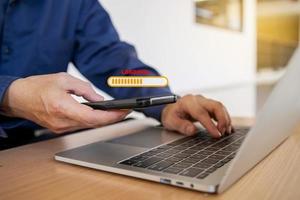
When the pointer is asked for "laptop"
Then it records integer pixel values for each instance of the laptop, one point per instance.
(198, 162)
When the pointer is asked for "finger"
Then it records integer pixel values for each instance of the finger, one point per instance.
(181, 125)
(230, 128)
(196, 111)
(83, 89)
(110, 117)
(92, 118)
(219, 113)
(223, 121)
(227, 128)
(204, 118)
(207, 122)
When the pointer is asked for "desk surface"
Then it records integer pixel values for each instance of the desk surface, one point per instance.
(30, 172)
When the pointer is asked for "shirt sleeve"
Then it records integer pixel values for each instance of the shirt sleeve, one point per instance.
(100, 54)
(5, 82)
(2, 133)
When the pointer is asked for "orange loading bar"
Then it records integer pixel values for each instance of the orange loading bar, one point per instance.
(127, 81)
(137, 81)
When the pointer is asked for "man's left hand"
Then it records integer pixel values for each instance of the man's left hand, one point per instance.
(190, 108)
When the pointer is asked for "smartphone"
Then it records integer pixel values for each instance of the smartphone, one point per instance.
(134, 103)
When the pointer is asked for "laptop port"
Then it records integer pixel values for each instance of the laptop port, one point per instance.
(179, 183)
(165, 181)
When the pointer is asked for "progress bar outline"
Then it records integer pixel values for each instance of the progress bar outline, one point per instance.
(138, 81)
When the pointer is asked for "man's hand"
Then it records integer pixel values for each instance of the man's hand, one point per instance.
(181, 115)
(47, 101)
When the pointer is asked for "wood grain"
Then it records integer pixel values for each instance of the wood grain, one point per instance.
(30, 172)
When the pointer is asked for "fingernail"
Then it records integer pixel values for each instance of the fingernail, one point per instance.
(220, 134)
(99, 98)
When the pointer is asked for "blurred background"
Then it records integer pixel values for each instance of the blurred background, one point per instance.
(231, 50)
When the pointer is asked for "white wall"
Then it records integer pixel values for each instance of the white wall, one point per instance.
(193, 56)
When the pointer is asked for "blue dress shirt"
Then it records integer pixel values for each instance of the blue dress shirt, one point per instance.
(44, 36)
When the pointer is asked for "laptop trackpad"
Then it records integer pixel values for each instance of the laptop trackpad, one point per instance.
(147, 138)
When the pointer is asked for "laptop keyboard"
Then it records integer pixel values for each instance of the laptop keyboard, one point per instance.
(195, 156)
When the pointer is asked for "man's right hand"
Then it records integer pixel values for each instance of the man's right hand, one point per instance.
(47, 101)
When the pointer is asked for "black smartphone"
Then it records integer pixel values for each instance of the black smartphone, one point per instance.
(134, 103)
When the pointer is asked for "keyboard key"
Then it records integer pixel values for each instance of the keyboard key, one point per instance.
(217, 157)
(173, 170)
(223, 152)
(172, 151)
(186, 145)
(203, 175)
(174, 159)
(198, 157)
(192, 142)
(181, 155)
(156, 151)
(236, 145)
(219, 164)
(128, 162)
(210, 161)
(148, 154)
(197, 147)
(214, 149)
(228, 138)
(198, 139)
(203, 165)
(229, 148)
(164, 155)
(231, 156)
(139, 158)
(191, 172)
(204, 152)
(226, 160)
(190, 151)
(160, 166)
(148, 162)
(203, 135)
(183, 165)
(212, 169)
(180, 148)
(165, 147)
(207, 143)
(222, 143)
(190, 160)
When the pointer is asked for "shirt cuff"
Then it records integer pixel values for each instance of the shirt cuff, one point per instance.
(154, 112)
(2, 133)
(5, 82)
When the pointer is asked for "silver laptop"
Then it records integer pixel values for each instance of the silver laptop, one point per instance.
(198, 162)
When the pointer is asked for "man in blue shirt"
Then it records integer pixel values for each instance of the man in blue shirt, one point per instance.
(38, 38)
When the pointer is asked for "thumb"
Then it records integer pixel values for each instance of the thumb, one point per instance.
(83, 89)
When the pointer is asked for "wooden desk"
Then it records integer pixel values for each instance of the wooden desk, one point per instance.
(30, 172)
